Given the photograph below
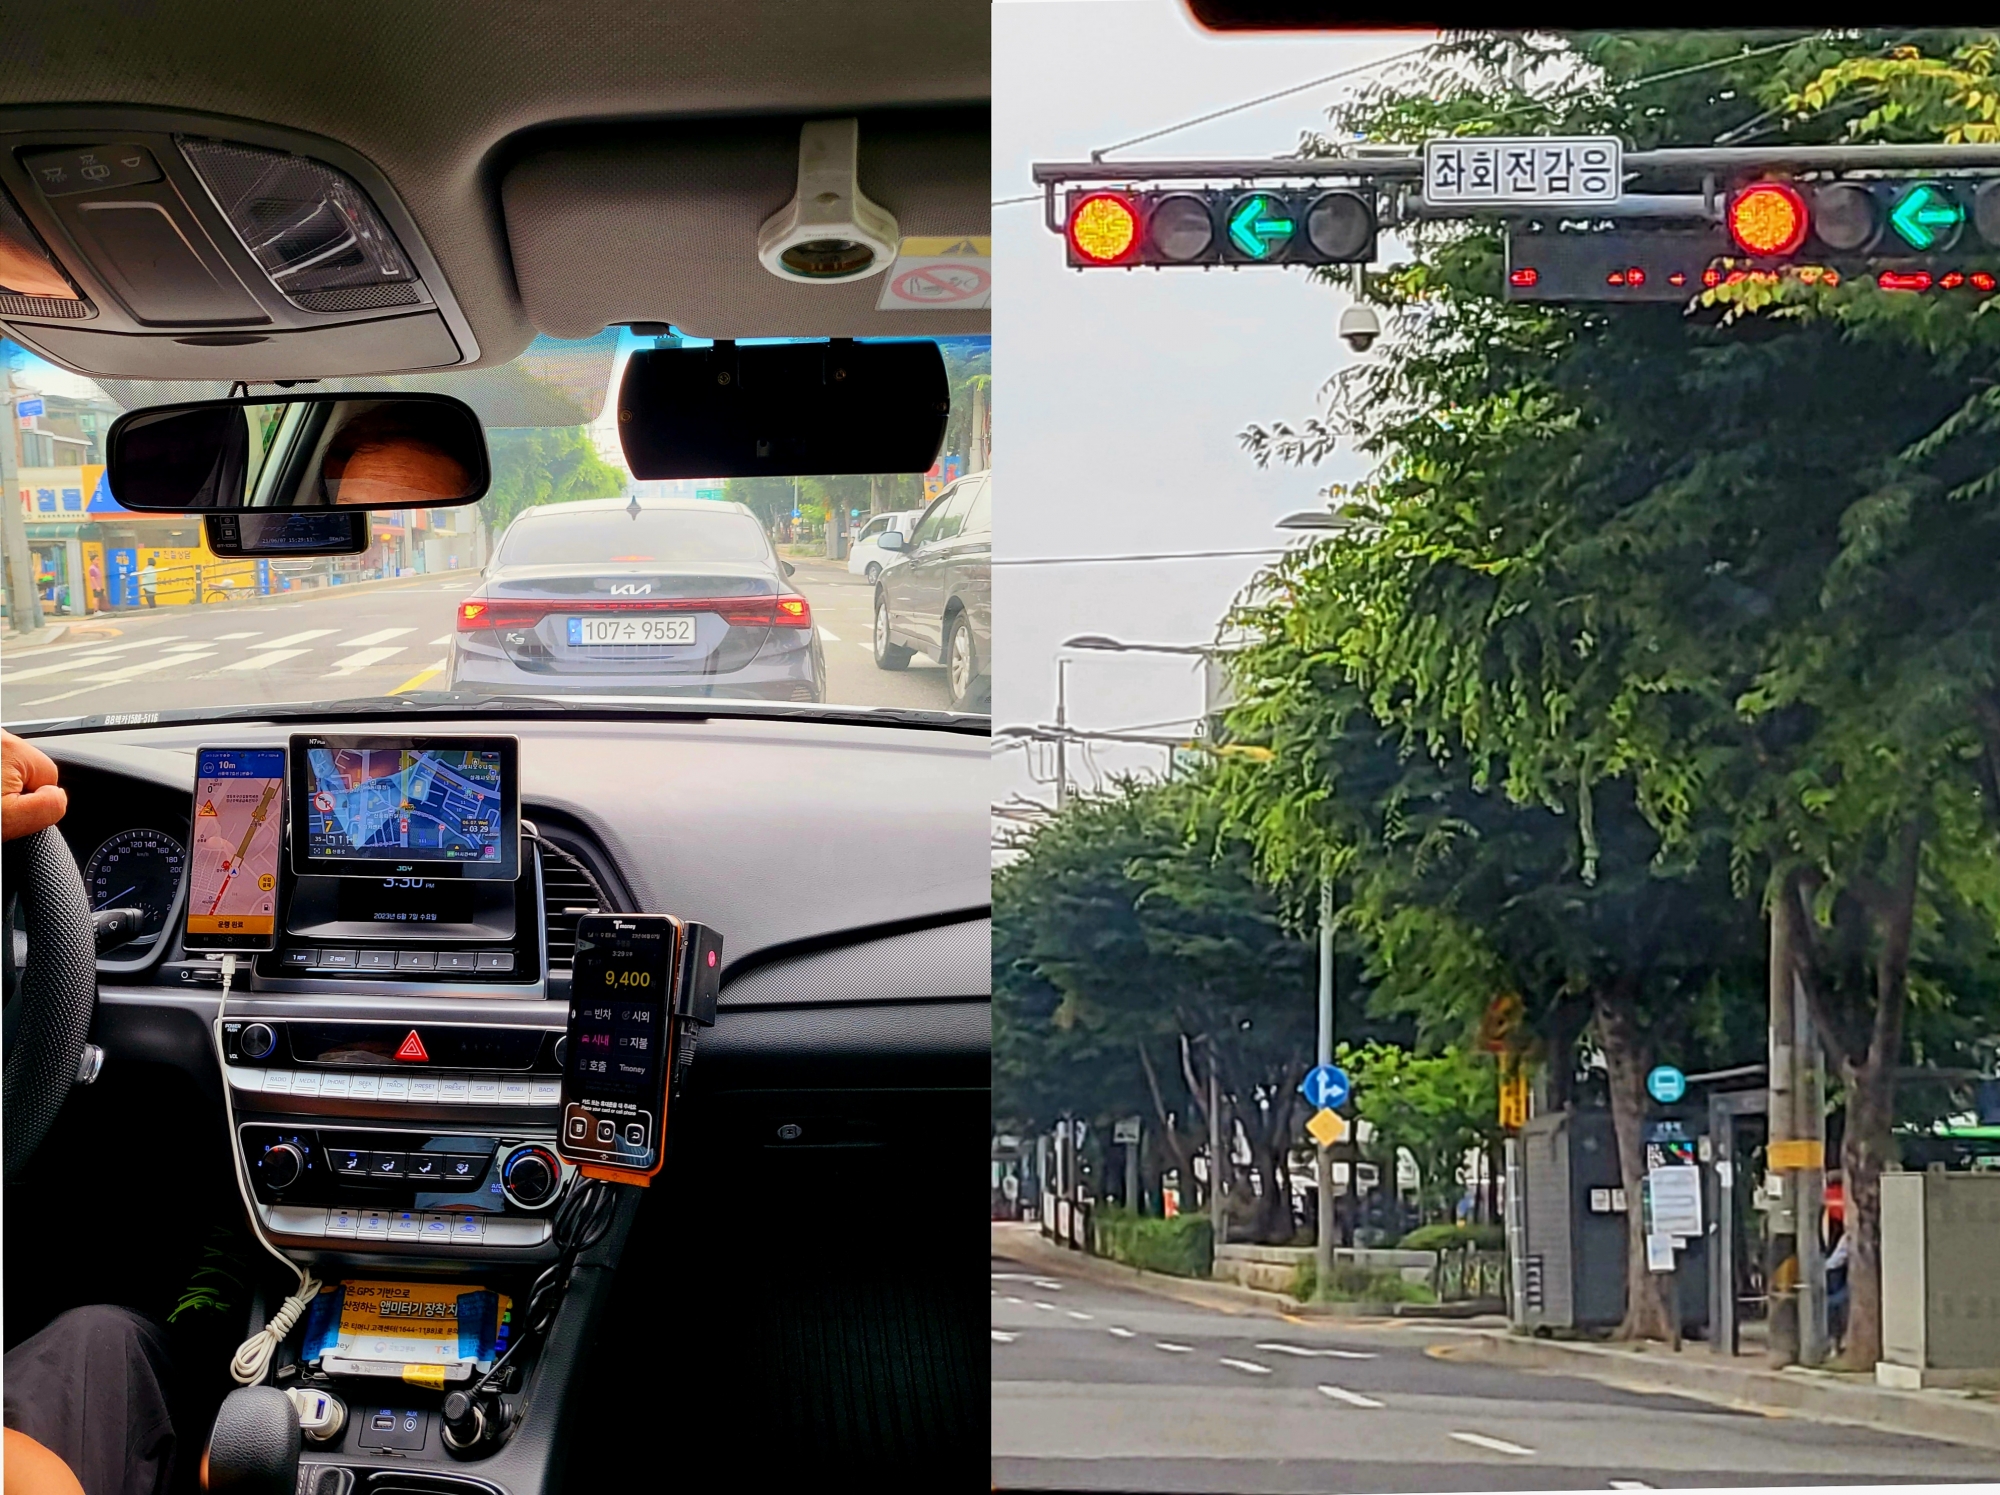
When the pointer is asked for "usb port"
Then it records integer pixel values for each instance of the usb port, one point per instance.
(384, 1421)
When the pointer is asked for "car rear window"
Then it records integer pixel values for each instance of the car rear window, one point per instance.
(662, 536)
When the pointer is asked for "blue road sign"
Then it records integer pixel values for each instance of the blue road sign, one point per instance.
(1666, 1084)
(1326, 1086)
(26, 407)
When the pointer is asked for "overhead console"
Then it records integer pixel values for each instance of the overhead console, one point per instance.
(145, 244)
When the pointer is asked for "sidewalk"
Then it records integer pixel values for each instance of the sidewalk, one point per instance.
(1848, 1397)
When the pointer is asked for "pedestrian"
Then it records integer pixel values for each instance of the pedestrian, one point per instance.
(149, 582)
(96, 572)
(1836, 1288)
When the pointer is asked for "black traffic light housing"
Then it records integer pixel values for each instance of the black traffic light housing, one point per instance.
(1207, 226)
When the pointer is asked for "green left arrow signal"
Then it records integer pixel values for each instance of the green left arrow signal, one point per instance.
(1258, 226)
(1926, 217)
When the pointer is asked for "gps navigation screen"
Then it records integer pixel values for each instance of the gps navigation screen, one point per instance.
(234, 851)
(383, 805)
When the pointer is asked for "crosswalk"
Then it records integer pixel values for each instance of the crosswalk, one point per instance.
(65, 672)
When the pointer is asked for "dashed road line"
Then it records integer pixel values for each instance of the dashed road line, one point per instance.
(1001, 1337)
(223, 638)
(1174, 1349)
(1017, 1302)
(1249, 1366)
(1497, 1445)
(1046, 1307)
(1328, 1354)
(1084, 1317)
(1352, 1398)
(1629, 1484)
(1122, 1333)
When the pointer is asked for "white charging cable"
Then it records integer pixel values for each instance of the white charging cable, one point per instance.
(252, 1361)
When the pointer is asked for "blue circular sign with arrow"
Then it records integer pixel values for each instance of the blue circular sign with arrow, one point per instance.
(1326, 1087)
(1666, 1084)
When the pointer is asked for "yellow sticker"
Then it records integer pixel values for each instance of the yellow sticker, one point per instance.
(425, 1375)
(1794, 1153)
(947, 247)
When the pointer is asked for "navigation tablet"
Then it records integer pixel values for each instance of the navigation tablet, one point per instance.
(395, 806)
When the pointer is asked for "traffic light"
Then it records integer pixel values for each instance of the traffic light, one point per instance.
(1221, 226)
(1907, 233)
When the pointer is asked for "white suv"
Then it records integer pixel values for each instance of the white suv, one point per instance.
(865, 557)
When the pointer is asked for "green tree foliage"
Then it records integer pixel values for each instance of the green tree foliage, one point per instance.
(543, 465)
(1711, 592)
(1438, 1107)
(1133, 949)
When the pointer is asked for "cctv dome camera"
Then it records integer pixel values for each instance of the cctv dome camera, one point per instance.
(1359, 327)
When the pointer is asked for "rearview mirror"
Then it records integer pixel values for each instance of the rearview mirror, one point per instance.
(889, 539)
(400, 451)
(783, 409)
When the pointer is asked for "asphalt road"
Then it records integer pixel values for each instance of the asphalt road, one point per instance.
(1108, 1389)
(370, 640)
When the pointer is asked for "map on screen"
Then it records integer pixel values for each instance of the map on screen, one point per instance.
(421, 804)
(239, 824)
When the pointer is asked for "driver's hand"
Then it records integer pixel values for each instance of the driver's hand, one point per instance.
(29, 797)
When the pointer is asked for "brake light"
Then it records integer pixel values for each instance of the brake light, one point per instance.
(793, 612)
(472, 615)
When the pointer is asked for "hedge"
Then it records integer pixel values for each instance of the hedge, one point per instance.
(1443, 1237)
(1182, 1247)
(1352, 1284)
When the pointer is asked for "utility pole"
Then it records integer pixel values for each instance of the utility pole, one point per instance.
(1809, 1182)
(1781, 1219)
(1062, 744)
(24, 602)
(1323, 1156)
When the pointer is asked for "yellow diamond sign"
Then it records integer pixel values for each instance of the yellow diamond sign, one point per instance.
(1326, 1127)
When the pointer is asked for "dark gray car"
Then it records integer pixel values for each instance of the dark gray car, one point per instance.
(936, 596)
(610, 596)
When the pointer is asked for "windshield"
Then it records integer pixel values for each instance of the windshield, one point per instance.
(122, 612)
(631, 536)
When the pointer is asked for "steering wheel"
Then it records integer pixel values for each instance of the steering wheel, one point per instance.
(48, 1019)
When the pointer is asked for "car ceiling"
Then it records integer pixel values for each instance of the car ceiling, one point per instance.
(554, 155)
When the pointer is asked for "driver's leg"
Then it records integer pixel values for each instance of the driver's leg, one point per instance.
(91, 1388)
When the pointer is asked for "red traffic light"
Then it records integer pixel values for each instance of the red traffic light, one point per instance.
(1768, 218)
(1104, 229)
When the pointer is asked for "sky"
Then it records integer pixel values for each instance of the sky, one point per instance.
(1120, 396)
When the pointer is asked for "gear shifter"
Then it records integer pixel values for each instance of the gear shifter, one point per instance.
(254, 1446)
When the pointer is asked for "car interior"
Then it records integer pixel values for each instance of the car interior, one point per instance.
(380, 1093)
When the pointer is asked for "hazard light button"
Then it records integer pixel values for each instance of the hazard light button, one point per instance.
(412, 1051)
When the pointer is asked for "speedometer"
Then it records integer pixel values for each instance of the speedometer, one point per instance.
(137, 869)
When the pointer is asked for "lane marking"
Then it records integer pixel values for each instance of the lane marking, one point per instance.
(294, 638)
(1352, 1398)
(223, 638)
(84, 661)
(98, 682)
(1497, 1445)
(1303, 1353)
(133, 671)
(263, 661)
(1246, 1365)
(1046, 1307)
(1629, 1484)
(1175, 1349)
(1047, 1284)
(827, 635)
(1000, 1338)
(1017, 1302)
(366, 658)
(440, 641)
(1086, 1317)
(381, 636)
(1121, 1333)
(419, 678)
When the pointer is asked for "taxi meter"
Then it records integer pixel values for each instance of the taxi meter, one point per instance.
(639, 985)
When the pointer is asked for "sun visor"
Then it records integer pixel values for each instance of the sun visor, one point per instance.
(663, 226)
(552, 383)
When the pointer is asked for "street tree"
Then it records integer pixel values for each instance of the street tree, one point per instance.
(1733, 569)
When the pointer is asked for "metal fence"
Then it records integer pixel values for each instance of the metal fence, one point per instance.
(1464, 1275)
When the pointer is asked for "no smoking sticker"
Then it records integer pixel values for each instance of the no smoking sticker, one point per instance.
(939, 273)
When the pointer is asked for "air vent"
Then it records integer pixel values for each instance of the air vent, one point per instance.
(566, 896)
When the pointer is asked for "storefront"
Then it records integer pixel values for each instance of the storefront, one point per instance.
(91, 554)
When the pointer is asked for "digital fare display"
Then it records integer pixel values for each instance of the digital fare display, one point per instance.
(235, 848)
(621, 1005)
(401, 804)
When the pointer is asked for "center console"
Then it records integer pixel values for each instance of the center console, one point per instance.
(394, 1069)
